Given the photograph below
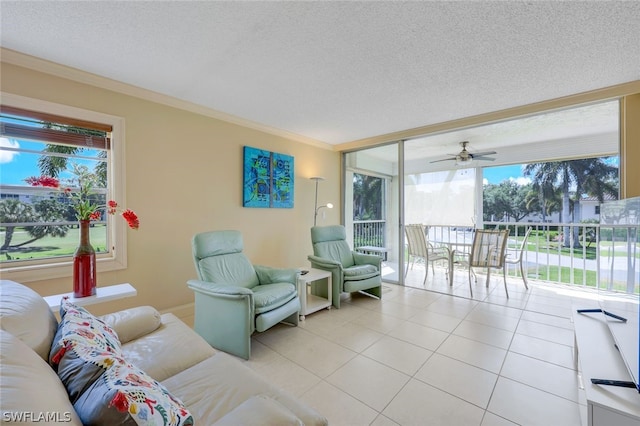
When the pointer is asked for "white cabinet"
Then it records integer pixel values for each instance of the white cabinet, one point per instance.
(598, 358)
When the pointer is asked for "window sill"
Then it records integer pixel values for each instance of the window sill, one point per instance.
(46, 271)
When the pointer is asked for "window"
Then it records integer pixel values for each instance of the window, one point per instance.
(38, 229)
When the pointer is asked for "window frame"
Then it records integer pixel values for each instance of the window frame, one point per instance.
(116, 257)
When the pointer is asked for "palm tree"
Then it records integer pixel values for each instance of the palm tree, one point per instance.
(367, 197)
(545, 200)
(52, 165)
(594, 176)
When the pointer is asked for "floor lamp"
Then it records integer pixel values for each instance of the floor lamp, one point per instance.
(316, 207)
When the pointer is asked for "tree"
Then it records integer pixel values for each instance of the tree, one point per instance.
(506, 199)
(545, 200)
(13, 211)
(367, 197)
(52, 165)
(47, 211)
(43, 211)
(594, 176)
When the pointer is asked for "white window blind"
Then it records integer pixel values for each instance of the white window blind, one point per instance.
(444, 198)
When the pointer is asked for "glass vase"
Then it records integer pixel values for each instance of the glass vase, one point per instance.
(84, 265)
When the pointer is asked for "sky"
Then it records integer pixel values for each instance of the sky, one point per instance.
(497, 174)
(15, 167)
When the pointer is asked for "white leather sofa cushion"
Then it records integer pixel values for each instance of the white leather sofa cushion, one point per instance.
(26, 315)
(168, 350)
(31, 392)
(220, 384)
(130, 324)
(272, 413)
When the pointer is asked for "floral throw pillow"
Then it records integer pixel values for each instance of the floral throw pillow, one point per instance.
(124, 394)
(102, 386)
(84, 346)
(77, 325)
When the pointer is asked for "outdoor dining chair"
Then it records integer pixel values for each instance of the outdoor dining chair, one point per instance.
(487, 251)
(516, 257)
(420, 249)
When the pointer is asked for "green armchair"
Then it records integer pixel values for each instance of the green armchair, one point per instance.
(234, 298)
(350, 271)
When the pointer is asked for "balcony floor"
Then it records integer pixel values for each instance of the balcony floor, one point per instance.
(495, 292)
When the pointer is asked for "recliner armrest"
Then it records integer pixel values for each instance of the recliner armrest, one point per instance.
(324, 263)
(219, 290)
(269, 275)
(367, 259)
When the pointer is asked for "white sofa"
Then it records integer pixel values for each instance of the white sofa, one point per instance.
(214, 387)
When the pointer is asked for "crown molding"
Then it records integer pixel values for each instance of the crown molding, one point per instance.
(42, 65)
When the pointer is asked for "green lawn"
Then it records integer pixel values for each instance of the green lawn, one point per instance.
(540, 243)
(52, 246)
(550, 273)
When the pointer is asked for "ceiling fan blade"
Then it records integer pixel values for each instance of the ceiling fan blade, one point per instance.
(483, 158)
(480, 154)
(444, 159)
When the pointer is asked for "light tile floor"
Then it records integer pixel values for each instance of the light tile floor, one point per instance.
(432, 355)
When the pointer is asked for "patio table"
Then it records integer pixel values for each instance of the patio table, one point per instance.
(453, 247)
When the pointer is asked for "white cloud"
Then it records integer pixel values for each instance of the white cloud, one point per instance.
(7, 156)
(521, 180)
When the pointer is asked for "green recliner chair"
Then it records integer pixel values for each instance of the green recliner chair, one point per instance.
(234, 298)
(350, 271)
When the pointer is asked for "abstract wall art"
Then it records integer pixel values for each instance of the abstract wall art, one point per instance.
(268, 179)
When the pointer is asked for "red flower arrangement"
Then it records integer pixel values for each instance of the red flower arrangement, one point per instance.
(84, 207)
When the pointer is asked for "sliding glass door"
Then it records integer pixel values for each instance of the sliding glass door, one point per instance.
(432, 180)
(372, 194)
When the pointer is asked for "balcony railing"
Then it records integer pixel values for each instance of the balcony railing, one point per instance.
(590, 255)
(369, 233)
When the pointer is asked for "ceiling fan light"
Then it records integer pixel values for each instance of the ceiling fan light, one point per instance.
(463, 161)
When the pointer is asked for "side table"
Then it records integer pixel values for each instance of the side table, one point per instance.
(309, 301)
(379, 251)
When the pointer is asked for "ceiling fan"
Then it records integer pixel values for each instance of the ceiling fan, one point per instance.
(466, 157)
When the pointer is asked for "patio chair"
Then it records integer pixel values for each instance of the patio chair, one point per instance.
(515, 257)
(421, 249)
(487, 251)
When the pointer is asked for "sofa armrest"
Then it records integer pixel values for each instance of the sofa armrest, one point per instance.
(367, 259)
(219, 290)
(133, 323)
(269, 275)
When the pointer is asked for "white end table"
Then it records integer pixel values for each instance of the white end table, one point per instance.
(311, 302)
(103, 294)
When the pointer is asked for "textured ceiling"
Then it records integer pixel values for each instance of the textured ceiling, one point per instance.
(337, 72)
